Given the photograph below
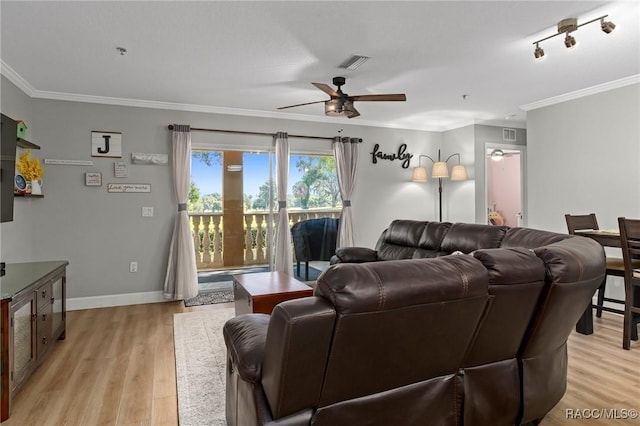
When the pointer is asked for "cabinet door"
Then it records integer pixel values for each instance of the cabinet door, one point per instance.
(23, 334)
(57, 300)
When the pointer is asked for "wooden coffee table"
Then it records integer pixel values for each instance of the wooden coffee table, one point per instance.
(261, 292)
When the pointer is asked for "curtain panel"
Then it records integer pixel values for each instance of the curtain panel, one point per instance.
(283, 254)
(345, 151)
(181, 281)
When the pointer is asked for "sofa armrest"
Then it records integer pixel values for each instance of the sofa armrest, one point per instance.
(245, 338)
(354, 255)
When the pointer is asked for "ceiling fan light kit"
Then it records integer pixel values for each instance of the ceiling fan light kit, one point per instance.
(341, 105)
(566, 27)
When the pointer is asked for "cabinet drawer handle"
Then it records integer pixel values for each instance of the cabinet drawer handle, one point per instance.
(44, 340)
(44, 317)
(53, 299)
(34, 317)
(44, 294)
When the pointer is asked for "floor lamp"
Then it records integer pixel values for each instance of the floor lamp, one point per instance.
(439, 170)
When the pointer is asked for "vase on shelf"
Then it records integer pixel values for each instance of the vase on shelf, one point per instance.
(36, 187)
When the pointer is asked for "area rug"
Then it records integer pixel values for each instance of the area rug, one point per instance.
(211, 297)
(200, 366)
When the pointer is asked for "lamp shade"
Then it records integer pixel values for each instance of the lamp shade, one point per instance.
(458, 172)
(440, 170)
(419, 174)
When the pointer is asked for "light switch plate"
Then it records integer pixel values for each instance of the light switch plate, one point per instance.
(147, 212)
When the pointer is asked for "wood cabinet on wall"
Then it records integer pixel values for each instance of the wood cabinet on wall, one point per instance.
(32, 321)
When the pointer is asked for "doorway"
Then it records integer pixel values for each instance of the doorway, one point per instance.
(505, 186)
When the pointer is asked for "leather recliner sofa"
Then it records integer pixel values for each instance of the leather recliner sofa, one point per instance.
(432, 339)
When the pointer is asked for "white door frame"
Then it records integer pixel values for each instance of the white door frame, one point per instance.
(523, 177)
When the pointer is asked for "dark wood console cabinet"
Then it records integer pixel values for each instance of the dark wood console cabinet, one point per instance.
(33, 317)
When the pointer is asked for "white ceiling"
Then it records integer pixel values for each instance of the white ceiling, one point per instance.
(250, 58)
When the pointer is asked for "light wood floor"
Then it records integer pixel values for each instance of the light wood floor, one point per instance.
(117, 367)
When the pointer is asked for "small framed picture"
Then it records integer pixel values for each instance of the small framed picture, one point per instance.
(93, 179)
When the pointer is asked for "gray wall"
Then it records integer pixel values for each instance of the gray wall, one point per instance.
(583, 157)
(100, 233)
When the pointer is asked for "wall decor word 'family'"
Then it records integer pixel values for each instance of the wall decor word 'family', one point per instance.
(401, 155)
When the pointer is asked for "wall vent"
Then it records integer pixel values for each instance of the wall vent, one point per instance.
(509, 135)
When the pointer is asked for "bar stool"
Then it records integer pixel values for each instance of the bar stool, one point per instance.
(630, 242)
(615, 265)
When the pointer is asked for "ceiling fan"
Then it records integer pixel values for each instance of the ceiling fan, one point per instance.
(341, 104)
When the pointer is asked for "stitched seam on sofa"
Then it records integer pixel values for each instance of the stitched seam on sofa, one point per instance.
(542, 314)
(465, 279)
(382, 295)
(286, 362)
(455, 399)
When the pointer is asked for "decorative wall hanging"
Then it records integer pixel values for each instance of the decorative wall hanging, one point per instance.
(128, 187)
(106, 144)
(93, 179)
(152, 159)
(120, 169)
(53, 161)
(401, 155)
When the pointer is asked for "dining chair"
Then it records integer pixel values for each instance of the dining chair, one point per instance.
(615, 265)
(630, 242)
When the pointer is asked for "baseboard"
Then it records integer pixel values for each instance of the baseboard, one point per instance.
(78, 303)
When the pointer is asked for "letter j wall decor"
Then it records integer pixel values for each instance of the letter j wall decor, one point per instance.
(106, 144)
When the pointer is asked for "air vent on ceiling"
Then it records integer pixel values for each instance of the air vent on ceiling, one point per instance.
(354, 62)
(509, 135)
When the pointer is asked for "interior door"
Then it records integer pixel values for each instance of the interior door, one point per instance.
(505, 185)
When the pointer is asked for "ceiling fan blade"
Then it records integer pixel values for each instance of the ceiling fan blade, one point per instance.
(327, 89)
(354, 113)
(297, 105)
(370, 98)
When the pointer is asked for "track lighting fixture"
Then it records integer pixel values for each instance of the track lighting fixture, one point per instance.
(566, 27)
(569, 41)
(607, 26)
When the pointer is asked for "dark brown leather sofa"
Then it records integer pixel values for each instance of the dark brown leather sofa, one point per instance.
(432, 339)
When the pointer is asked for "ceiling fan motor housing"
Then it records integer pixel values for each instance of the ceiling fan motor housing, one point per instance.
(339, 81)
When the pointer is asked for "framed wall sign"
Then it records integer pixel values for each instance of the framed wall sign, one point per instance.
(151, 159)
(120, 169)
(128, 187)
(106, 144)
(93, 179)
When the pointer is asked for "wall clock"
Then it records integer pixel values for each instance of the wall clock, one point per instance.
(21, 183)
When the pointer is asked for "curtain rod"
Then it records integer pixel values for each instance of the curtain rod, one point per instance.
(170, 127)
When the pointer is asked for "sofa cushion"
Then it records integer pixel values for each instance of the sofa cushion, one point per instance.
(433, 234)
(245, 338)
(387, 285)
(530, 238)
(467, 237)
(516, 280)
(404, 232)
(400, 240)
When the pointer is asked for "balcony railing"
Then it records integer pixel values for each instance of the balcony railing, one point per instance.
(207, 227)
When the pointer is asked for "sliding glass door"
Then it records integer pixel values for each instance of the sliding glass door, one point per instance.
(232, 207)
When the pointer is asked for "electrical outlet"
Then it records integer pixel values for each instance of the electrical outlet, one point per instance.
(147, 212)
(133, 267)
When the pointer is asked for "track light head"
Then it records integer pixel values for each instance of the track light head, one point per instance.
(607, 26)
(538, 53)
(569, 41)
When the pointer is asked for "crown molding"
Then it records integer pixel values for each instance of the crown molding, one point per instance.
(17, 79)
(22, 84)
(615, 84)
